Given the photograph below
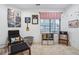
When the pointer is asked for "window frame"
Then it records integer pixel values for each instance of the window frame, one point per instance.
(51, 27)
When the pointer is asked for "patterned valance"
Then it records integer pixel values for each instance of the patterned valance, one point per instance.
(50, 15)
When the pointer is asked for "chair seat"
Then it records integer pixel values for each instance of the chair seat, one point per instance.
(19, 47)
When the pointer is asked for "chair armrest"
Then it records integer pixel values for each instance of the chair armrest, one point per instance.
(22, 38)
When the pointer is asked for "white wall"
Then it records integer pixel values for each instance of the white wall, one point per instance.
(3, 25)
(71, 14)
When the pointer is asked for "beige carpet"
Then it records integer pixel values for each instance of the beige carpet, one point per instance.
(38, 49)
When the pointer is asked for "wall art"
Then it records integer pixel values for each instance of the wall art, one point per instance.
(34, 19)
(27, 19)
(73, 24)
(14, 18)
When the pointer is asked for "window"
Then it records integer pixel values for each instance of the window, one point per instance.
(49, 25)
(49, 22)
(44, 26)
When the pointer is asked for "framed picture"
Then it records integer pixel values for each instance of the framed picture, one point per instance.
(27, 19)
(34, 19)
(73, 24)
(14, 17)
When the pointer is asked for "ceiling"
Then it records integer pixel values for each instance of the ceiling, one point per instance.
(61, 7)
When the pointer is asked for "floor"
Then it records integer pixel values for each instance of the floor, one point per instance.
(38, 49)
(55, 49)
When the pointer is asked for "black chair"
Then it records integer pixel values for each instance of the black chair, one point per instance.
(17, 45)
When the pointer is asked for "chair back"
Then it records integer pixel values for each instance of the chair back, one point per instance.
(13, 34)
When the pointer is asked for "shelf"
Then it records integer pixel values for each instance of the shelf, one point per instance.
(47, 36)
(63, 37)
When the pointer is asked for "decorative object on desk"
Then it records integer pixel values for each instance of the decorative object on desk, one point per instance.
(34, 19)
(27, 19)
(14, 18)
(73, 24)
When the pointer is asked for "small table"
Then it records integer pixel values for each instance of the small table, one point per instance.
(28, 40)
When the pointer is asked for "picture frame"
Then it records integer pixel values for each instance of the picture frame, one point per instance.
(14, 17)
(27, 19)
(73, 24)
(34, 19)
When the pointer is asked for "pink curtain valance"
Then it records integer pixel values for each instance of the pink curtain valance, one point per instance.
(50, 15)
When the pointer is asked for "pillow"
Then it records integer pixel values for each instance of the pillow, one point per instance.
(17, 39)
(13, 40)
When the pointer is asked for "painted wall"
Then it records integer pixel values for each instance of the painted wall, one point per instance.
(3, 25)
(71, 14)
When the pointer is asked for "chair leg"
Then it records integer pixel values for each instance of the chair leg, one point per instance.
(29, 51)
(9, 50)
